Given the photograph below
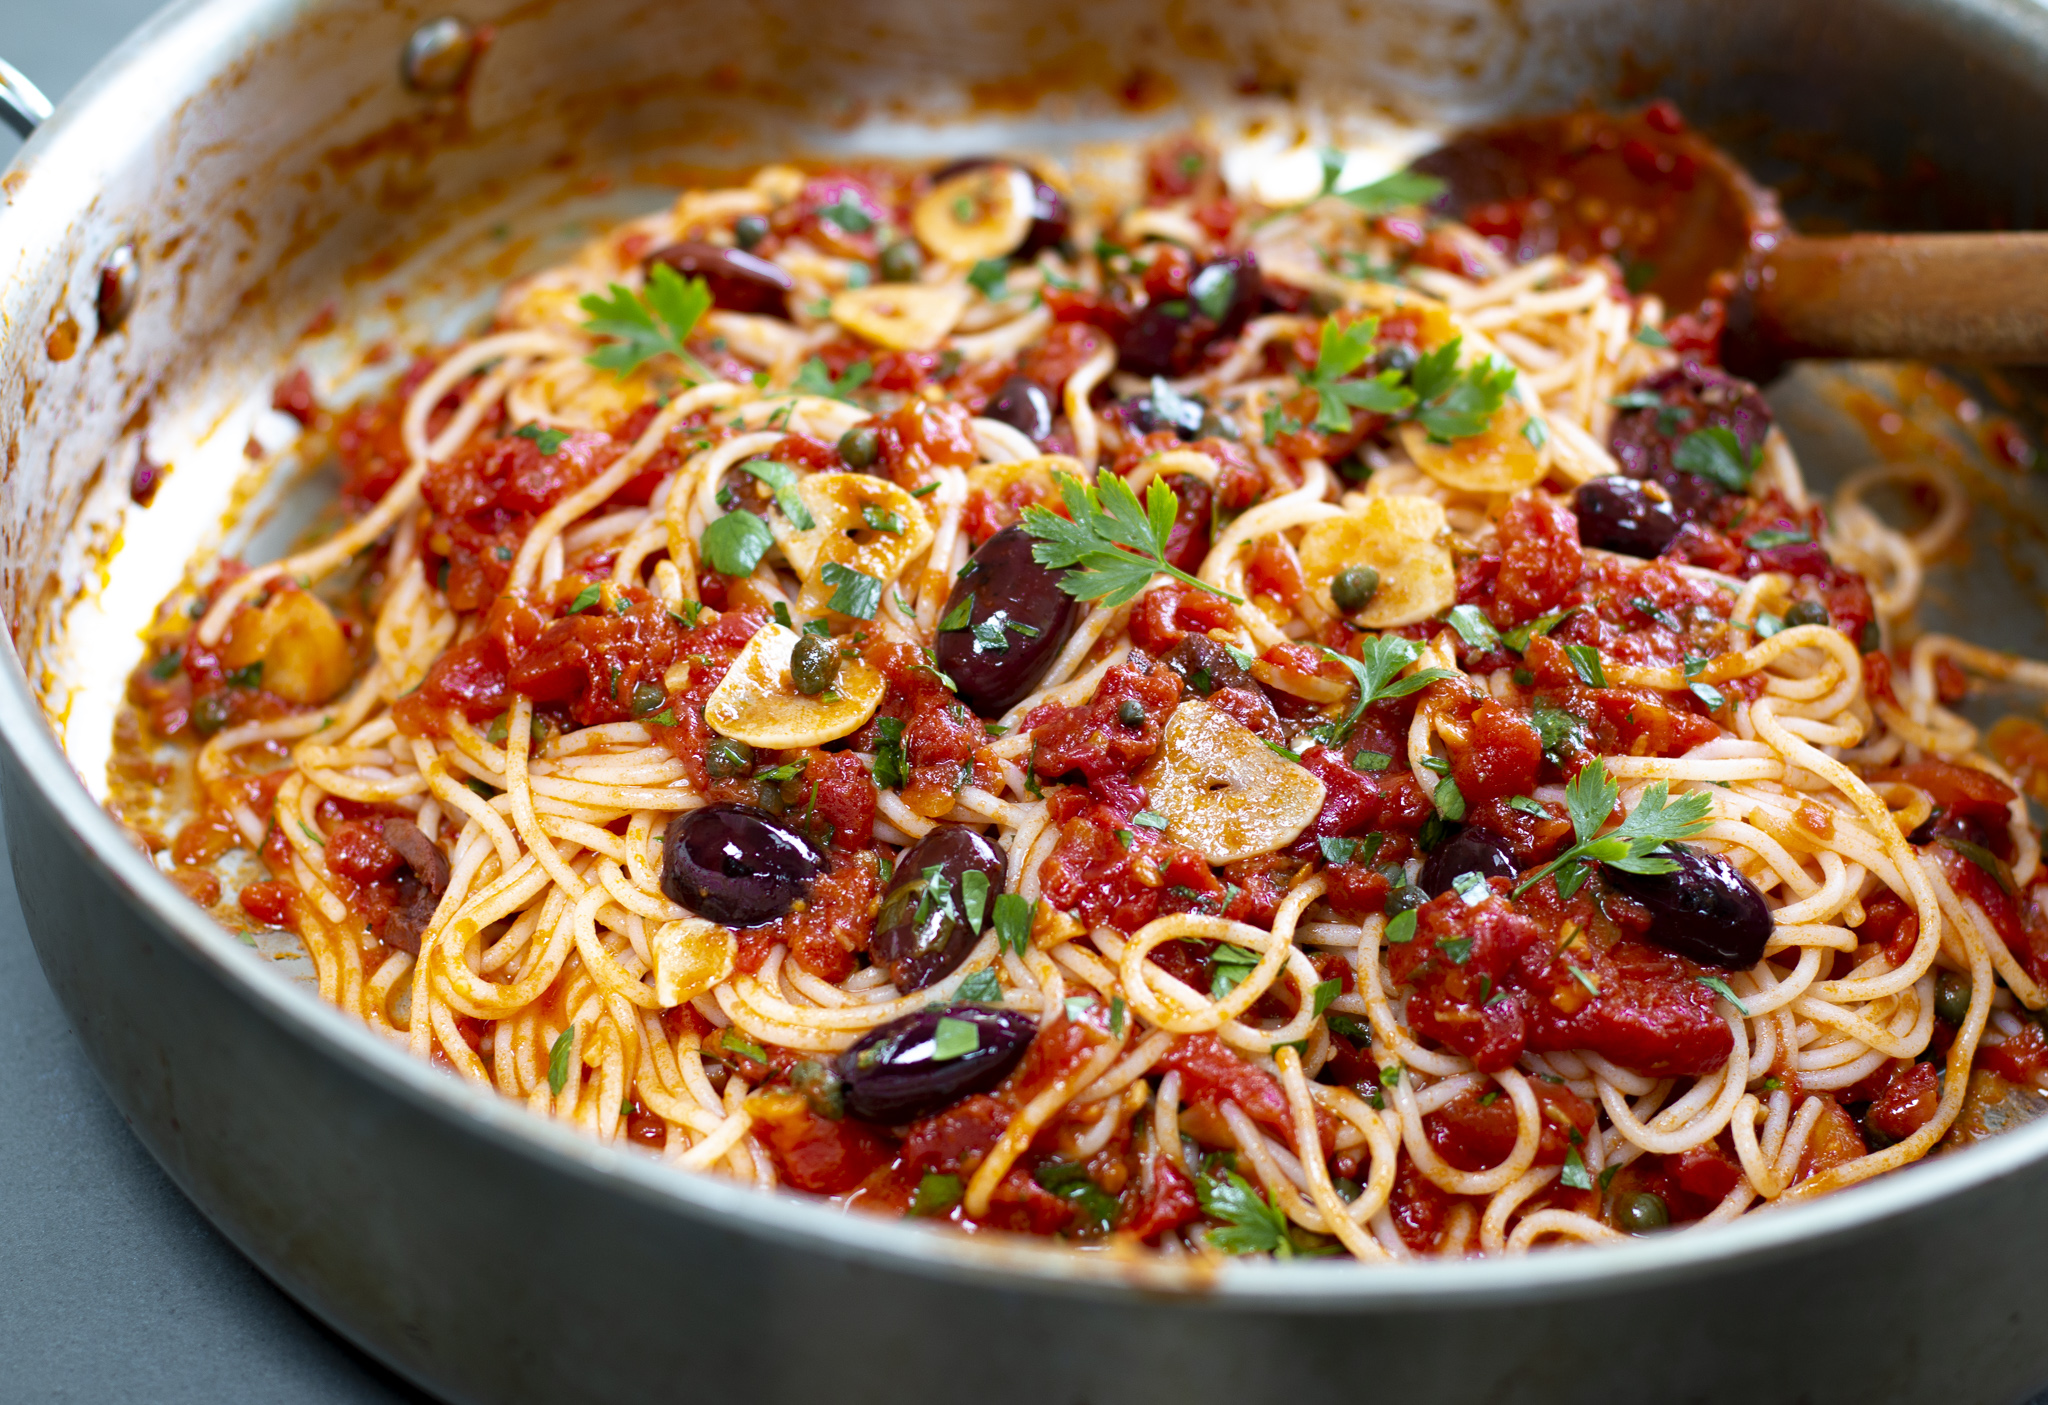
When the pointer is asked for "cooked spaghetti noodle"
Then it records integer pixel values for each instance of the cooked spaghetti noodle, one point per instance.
(1350, 857)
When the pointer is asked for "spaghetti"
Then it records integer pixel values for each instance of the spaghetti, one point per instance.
(1246, 730)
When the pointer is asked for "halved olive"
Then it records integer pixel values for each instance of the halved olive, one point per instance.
(919, 1065)
(1702, 909)
(734, 865)
(1012, 621)
(739, 281)
(922, 932)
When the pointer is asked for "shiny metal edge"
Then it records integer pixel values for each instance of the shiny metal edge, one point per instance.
(122, 101)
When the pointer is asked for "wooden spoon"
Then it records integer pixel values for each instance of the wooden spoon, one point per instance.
(1689, 225)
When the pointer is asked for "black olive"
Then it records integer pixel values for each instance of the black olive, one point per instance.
(1807, 612)
(1661, 413)
(1019, 621)
(739, 281)
(1163, 410)
(1049, 217)
(749, 230)
(1704, 909)
(1472, 849)
(734, 865)
(894, 1075)
(860, 446)
(1205, 666)
(1642, 1212)
(1023, 405)
(813, 664)
(923, 941)
(648, 699)
(1168, 336)
(1351, 590)
(420, 883)
(1622, 515)
(1952, 996)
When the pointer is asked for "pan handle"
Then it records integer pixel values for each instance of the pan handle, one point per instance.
(22, 104)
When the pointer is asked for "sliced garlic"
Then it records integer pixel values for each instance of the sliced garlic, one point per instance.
(982, 213)
(690, 957)
(901, 316)
(844, 508)
(1226, 794)
(1403, 537)
(294, 643)
(1022, 481)
(1499, 460)
(757, 703)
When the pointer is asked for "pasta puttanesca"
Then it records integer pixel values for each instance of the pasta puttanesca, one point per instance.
(1248, 1028)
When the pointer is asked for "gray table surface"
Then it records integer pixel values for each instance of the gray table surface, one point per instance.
(112, 1287)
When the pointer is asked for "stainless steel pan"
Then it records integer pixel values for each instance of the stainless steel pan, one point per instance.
(242, 164)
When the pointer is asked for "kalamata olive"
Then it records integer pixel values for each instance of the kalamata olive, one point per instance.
(422, 882)
(902, 261)
(1205, 666)
(725, 758)
(813, 665)
(1049, 217)
(749, 230)
(922, 933)
(1473, 849)
(1164, 410)
(1168, 336)
(860, 446)
(734, 865)
(1017, 624)
(1807, 612)
(895, 1074)
(1023, 405)
(1354, 588)
(1952, 996)
(739, 281)
(1622, 515)
(1661, 413)
(1704, 909)
(1642, 1212)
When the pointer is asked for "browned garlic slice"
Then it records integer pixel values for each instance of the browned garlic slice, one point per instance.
(1403, 537)
(901, 316)
(757, 703)
(297, 642)
(690, 957)
(982, 213)
(1225, 793)
(1499, 460)
(863, 523)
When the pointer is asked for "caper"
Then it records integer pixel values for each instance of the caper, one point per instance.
(1642, 1212)
(1807, 612)
(902, 261)
(725, 758)
(813, 665)
(768, 795)
(1952, 996)
(1404, 899)
(749, 230)
(649, 698)
(212, 712)
(1354, 587)
(1130, 713)
(1872, 638)
(860, 446)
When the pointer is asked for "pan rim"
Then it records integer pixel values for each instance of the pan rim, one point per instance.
(227, 28)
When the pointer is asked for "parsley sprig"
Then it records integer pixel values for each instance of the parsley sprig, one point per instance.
(1117, 543)
(1447, 400)
(1342, 351)
(1390, 192)
(1633, 845)
(650, 324)
(1252, 1224)
(1383, 656)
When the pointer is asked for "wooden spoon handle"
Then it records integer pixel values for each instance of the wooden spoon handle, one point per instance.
(1935, 297)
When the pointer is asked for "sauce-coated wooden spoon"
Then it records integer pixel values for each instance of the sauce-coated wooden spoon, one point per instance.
(1690, 225)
